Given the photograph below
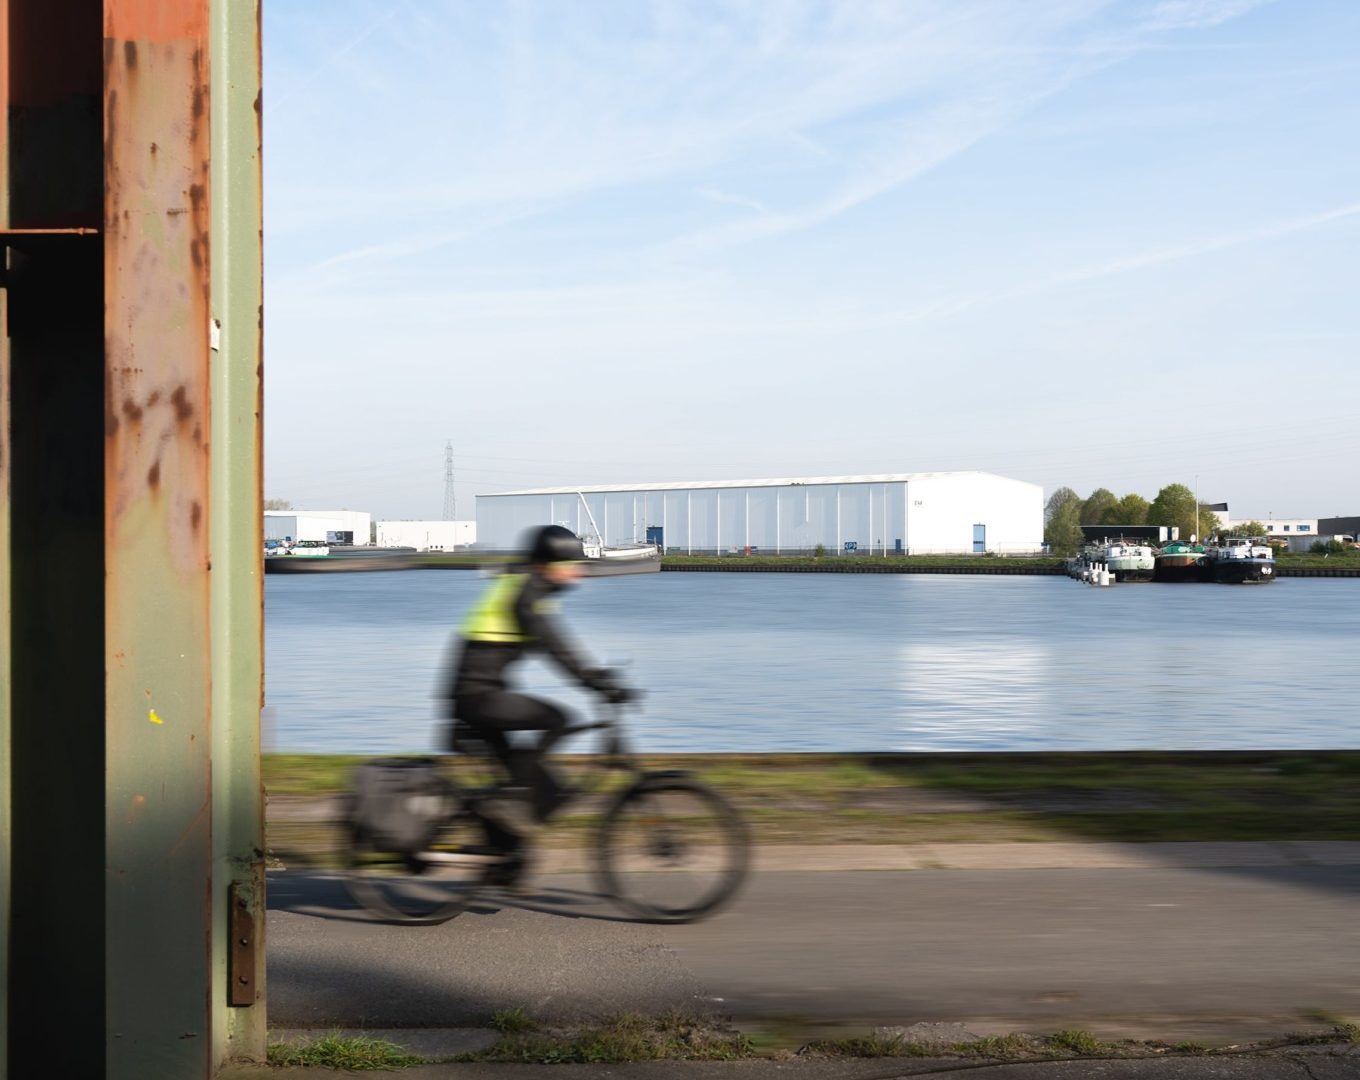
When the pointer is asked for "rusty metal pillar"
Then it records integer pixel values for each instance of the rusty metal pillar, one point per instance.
(129, 565)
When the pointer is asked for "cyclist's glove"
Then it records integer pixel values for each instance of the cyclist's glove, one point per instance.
(605, 683)
(621, 695)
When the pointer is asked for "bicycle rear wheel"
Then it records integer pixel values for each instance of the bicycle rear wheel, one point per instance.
(671, 850)
(425, 888)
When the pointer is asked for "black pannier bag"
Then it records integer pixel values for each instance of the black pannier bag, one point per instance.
(399, 803)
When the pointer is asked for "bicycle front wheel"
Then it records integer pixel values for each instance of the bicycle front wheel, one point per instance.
(426, 887)
(671, 850)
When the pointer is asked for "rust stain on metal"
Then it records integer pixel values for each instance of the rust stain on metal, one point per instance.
(180, 400)
(153, 476)
(196, 515)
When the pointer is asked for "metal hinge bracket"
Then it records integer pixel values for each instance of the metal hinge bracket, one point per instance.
(241, 955)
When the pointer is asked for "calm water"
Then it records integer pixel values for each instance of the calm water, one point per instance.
(737, 662)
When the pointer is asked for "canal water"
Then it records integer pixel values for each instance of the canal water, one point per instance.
(835, 662)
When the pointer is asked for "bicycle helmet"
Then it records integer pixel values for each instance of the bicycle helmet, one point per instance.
(553, 543)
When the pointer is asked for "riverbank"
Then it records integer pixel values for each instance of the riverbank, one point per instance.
(1289, 565)
(921, 799)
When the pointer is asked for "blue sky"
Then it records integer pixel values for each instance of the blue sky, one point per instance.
(1069, 241)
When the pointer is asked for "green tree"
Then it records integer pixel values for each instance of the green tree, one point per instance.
(1058, 500)
(1247, 528)
(1062, 522)
(1130, 510)
(1097, 504)
(1175, 505)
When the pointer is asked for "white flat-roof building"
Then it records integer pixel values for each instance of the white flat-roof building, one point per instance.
(331, 526)
(427, 535)
(916, 513)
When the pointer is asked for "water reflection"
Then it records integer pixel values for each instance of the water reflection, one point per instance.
(987, 695)
(769, 662)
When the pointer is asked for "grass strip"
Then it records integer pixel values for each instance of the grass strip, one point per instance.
(931, 798)
(355, 1053)
(626, 1037)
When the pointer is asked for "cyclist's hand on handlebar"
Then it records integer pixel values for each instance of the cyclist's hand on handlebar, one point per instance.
(621, 695)
(605, 682)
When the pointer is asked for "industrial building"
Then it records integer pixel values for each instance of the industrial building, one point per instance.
(331, 526)
(903, 513)
(426, 535)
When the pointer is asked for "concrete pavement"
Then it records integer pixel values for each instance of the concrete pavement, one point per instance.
(1147, 948)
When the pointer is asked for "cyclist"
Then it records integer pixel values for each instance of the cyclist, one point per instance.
(514, 617)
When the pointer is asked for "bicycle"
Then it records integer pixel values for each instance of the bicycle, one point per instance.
(667, 848)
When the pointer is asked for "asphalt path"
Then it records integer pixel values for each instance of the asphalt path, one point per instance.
(1176, 952)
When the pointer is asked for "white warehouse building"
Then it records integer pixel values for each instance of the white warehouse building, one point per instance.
(906, 513)
(426, 535)
(330, 526)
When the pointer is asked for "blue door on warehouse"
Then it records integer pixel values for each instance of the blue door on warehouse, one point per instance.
(979, 538)
(656, 536)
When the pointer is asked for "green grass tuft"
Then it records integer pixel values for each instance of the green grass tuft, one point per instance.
(624, 1038)
(867, 1046)
(1081, 1043)
(513, 1021)
(1001, 1047)
(340, 1052)
(1346, 1031)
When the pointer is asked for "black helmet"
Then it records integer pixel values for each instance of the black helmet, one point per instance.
(553, 543)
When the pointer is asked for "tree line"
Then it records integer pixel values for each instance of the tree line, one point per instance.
(1066, 512)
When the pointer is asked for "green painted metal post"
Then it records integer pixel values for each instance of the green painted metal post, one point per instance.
(237, 304)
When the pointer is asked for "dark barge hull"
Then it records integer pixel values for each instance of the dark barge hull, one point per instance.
(1180, 570)
(1243, 571)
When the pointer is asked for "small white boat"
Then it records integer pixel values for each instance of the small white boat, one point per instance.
(297, 549)
(602, 560)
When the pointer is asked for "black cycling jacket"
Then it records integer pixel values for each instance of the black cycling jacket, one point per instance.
(511, 619)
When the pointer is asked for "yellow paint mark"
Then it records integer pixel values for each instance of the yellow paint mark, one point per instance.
(154, 717)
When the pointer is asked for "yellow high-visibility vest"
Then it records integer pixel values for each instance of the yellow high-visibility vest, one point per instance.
(493, 618)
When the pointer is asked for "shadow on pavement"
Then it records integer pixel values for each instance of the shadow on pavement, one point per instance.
(322, 894)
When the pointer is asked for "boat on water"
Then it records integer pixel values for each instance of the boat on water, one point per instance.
(1129, 561)
(610, 560)
(1180, 560)
(1240, 560)
(296, 549)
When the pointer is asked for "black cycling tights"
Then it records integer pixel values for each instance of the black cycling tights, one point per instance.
(500, 711)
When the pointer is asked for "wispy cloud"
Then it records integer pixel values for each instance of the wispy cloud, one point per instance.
(1238, 238)
(566, 107)
(712, 194)
(951, 306)
(829, 105)
(1198, 14)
